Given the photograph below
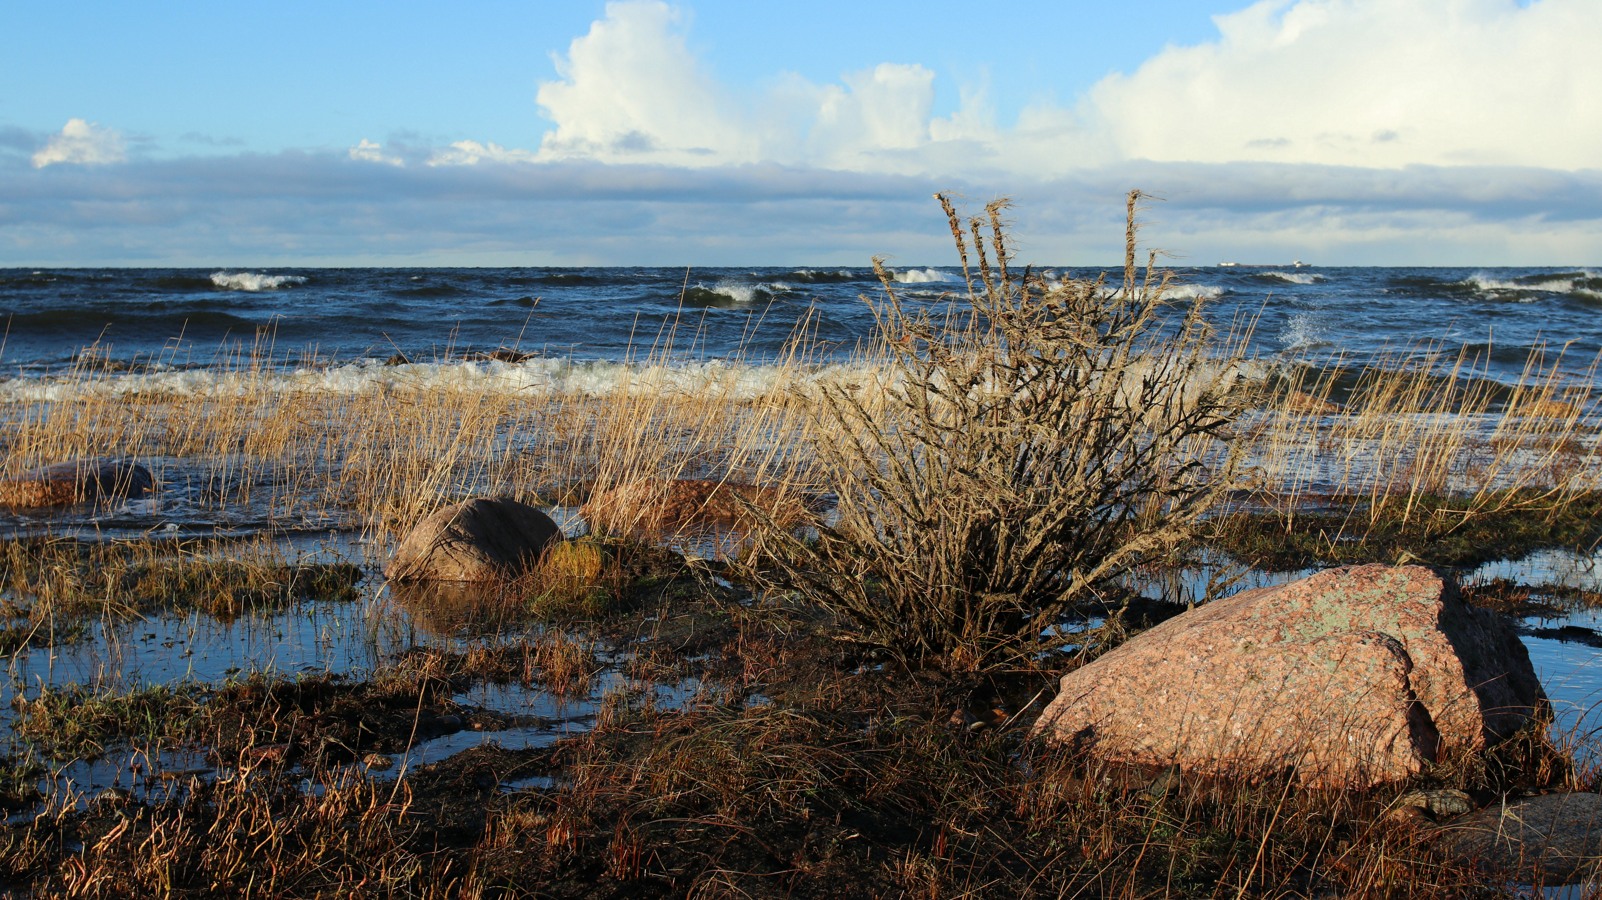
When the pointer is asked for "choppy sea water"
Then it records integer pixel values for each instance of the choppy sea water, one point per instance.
(180, 324)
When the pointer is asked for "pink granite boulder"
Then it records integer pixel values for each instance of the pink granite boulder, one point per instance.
(69, 483)
(1351, 677)
(483, 539)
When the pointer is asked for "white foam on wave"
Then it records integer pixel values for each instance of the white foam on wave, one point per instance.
(1193, 292)
(1486, 284)
(254, 281)
(1295, 277)
(559, 380)
(738, 291)
(923, 276)
(541, 376)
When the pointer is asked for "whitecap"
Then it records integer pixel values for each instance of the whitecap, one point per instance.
(923, 276)
(1293, 277)
(539, 376)
(1193, 292)
(254, 281)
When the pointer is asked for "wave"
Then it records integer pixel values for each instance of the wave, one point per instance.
(79, 319)
(525, 301)
(734, 294)
(1526, 288)
(819, 276)
(923, 276)
(1290, 277)
(567, 278)
(495, 373)
(430, 290)
(1485, 284)
(1193, 292)
(185, 284)
(254, 281)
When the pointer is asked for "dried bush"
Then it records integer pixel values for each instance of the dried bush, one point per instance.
(1038, 439)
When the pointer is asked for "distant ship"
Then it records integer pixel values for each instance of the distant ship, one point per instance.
(1298, 264)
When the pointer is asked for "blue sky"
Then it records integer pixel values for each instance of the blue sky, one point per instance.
(1461, 132)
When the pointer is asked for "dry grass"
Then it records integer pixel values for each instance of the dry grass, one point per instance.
(1420, 425)
(302, 450)
(1421, 447)
(1039, 441)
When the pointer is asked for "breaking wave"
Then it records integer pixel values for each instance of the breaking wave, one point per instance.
(254, 281)
(1193, 292)
(923, 276)
(825, 276)
(1291, 277)
(533, 376)
(735, 294)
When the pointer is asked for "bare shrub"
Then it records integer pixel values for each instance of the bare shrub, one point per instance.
(1040, 438)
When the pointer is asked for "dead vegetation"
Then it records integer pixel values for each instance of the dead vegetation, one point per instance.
(1040, 440)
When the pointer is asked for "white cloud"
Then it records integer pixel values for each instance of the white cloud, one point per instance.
(81, 143)
(471, 153)
(370, 151)
(883, 108)
(631, 90)
(1371, 83)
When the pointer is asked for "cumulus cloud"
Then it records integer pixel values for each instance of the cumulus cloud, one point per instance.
(81, 143)
(631, 90)
(1367, 83)
(1370, 83)
(371, 151)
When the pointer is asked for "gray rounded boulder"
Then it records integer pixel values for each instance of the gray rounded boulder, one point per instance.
(483, 539)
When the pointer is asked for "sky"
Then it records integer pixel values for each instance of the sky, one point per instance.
(715, 132)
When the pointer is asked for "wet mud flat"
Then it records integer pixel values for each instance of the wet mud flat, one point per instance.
(238, 716)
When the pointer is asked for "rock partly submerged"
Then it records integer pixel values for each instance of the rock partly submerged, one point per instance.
(484, 539)
(1351, 677)
(1549, 840)
(72, 483)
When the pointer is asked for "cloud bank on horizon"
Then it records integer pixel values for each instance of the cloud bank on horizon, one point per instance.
(1360, 131)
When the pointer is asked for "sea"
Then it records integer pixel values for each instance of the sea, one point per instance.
(346, 329)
